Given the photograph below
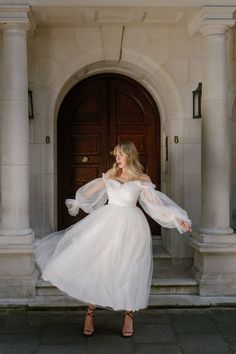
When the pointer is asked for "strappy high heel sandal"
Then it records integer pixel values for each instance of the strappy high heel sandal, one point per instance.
(123, 333)
(91, 314)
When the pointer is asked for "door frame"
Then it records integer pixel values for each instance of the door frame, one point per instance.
(149, 97)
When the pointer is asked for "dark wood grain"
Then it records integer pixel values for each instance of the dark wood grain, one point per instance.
(97, 113)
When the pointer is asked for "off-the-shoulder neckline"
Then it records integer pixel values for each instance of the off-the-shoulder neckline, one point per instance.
(121, 183)
(142, 182)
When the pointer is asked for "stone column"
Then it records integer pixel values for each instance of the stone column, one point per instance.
(16, 237)
(214, 244)
(14, 135)
(215, 133)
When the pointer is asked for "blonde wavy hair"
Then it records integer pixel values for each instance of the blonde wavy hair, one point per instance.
(134, 167)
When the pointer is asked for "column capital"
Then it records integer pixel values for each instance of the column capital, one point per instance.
(17, 16)
(213, 20)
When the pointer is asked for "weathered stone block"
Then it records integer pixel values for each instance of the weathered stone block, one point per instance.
(17, 276)
(215, 264)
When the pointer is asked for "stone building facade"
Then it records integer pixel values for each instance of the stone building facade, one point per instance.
(169, 47)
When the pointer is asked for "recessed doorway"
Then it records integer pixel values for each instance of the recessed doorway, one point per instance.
(97, 113)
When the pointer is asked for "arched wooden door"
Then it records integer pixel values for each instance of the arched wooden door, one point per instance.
(96, 114)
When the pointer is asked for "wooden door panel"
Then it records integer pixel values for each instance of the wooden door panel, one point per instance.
(86, 144)
(88, 110)
(82, 174)
(138, 139)
(96, 114)
(82, 149)
(129, 110)
(134, 117)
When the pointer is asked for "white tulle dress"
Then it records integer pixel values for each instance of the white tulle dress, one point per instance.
(106, 258)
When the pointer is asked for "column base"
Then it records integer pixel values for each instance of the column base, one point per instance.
(16, 287)
(215, 263)
(17, 267)
(15, 232)
(215, 231)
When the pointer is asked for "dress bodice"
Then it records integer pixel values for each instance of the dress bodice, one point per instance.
(124, 194)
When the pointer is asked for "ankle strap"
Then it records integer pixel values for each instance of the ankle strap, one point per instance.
(91, 313)
(129, 313)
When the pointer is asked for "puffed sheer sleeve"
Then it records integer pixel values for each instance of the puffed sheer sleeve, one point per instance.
(89, 197)
(161, 208)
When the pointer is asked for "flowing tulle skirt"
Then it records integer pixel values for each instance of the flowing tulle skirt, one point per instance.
(104, 259)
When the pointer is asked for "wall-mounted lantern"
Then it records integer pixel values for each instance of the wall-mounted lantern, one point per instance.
(30, 104)
(197, 101)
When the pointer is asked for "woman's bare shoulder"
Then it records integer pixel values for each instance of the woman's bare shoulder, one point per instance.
(145, 178)
(108, 173)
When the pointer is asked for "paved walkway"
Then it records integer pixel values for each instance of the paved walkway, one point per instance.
(164, 331)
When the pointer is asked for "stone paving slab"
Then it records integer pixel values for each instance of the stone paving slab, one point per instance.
(203, 343)
(192, 323)
(154, 333)
(223, 315)
(228, 330)
(164, 331)
(233, 346)
(61, 349)
(102, 347)
(19, 343)
(158, 348)
(155, 301)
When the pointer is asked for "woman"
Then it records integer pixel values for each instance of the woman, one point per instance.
(106, 258)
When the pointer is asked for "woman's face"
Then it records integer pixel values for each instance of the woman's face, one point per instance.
(121, 159)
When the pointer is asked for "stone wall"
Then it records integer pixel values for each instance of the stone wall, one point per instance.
(167, 61)
(0, 111)
(232, 112)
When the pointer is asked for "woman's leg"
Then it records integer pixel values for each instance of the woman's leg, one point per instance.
(127, 329)
(88, 324)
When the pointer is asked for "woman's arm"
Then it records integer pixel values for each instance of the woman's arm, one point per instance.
(89, 197)
(161, 208)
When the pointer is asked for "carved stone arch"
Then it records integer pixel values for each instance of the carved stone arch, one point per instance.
(98, 112)
(148, 73)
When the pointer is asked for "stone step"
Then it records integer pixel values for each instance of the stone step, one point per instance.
(156, 239)
(161, 258)
(174, 279)
(173, 286)
(166, 281)
(45, 288)
(159, 287)
(155, 301)
(168, 278)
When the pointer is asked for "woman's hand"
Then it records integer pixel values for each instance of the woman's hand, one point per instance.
(73, 206)
(186, 226)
